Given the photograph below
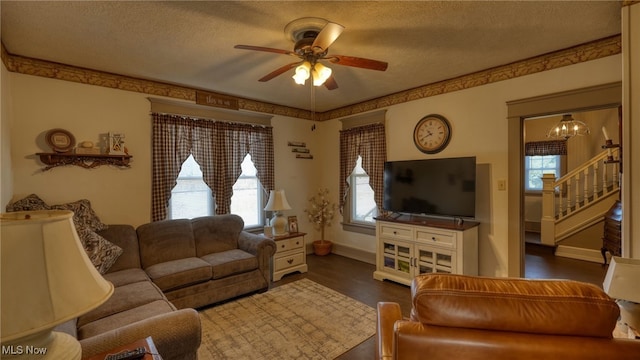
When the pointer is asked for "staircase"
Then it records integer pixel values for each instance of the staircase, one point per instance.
(580, 198)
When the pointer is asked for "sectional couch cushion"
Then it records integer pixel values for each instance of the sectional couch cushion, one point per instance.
(230, 262)
(124, 297)
(179, 273)
(214, 234)
(125, 317)
(167, 240)
(128, 276)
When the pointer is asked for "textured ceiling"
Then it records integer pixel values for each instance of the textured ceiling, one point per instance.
(190, 43)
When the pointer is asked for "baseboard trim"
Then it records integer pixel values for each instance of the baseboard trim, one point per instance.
(350, 252)
(580, 253)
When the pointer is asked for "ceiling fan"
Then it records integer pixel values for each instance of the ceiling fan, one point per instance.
(312, 38)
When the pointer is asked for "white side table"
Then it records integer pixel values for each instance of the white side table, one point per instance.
(290, 255)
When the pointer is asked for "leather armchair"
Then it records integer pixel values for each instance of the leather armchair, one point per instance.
(470, 317)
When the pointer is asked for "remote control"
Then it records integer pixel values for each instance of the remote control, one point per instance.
(127, 355)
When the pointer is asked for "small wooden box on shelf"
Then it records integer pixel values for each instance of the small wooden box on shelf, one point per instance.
(151, 353)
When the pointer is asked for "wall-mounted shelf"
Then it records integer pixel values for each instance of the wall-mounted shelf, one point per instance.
(87, 161)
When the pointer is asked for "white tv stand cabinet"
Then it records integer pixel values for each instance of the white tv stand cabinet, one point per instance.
(408, 246)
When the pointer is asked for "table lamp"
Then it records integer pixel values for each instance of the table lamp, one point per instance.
(47, 279)
(277, 202)
(621, 283)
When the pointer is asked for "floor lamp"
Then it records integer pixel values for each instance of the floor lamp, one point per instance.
(47, 279)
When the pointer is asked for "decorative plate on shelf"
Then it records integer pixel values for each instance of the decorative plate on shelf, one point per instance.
(60, 140)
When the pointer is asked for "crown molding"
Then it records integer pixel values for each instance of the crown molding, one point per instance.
(570, 56)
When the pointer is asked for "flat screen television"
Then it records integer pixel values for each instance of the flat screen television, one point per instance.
(437, 187)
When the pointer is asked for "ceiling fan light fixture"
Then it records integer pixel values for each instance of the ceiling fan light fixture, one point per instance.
(303, 72)
(320, 74)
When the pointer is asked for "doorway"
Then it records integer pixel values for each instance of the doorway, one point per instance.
(581, 155)
(588, 99)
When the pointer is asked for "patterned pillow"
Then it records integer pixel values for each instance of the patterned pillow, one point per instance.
(83, 215)
(102, 253)
(29, 203)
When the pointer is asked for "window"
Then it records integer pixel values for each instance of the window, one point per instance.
(536, 166)
(363, 205)
(247, 200)
(191, 197)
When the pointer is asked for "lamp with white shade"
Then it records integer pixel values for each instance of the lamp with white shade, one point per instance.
(47, 279)
(621, 283)
(278, 202)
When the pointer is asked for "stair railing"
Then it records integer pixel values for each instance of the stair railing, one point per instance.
(577, 189)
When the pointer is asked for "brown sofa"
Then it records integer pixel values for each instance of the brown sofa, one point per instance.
(205, 260)
(171, 265)
(466, 317)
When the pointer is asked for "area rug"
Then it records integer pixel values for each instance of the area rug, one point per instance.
(299, 320)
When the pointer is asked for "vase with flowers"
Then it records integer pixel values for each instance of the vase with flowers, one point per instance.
(320, 213)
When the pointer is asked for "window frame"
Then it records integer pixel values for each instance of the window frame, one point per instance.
(560, 171)
(349, 222)
(211, 200)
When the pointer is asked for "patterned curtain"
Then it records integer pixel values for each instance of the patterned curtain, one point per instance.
(542, 148)
(171, 146)
(233, 142)
(369, 143)
(217, 146)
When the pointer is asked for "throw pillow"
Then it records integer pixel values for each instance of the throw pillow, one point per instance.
(83, 214)
(102, 253)
(29, 203)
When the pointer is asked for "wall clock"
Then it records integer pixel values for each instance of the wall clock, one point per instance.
(432, 134)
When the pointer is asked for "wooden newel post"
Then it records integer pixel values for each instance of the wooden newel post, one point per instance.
(548, 221)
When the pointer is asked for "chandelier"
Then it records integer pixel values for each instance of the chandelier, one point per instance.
(568, 127)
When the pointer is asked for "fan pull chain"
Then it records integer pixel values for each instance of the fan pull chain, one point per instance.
(313, 102)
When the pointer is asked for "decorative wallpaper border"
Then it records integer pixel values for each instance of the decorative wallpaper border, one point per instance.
(574, 55)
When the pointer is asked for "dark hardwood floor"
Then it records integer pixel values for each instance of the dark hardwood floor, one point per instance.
(355, 279)
(542, 264)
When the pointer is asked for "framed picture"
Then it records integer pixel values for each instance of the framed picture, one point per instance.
(116, 144)
(293, 224)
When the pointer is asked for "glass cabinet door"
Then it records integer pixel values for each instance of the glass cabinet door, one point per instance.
(397, 257)
(432, 260)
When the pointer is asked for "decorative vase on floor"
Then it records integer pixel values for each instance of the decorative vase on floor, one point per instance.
(322, 247)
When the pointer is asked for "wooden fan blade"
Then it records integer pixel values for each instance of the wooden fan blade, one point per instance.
(331, 83)
(358, 62)
(265, 49)
(326, 37)
(279, 71)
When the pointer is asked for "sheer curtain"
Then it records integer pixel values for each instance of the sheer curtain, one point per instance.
(368, 142)
(217, 146)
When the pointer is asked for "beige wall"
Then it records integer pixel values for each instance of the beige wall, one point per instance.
(117, 195)
(479, 121)
(478, 116)
(6, 174)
